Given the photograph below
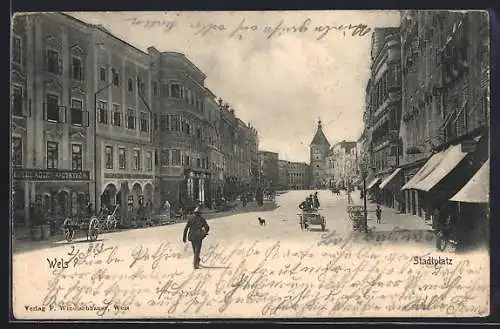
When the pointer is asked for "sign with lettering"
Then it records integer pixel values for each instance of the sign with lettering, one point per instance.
(127, 176)
(50, 175)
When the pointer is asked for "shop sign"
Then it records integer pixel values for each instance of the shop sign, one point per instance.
(50, 175)
(127, 176)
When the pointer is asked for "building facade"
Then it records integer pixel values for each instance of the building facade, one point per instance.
(51, 133)
(283, 175)
(384, 111)
(445, 58)
(269, 176)
(319, 149)
(96, 121)
(298, 175)
(341, 162)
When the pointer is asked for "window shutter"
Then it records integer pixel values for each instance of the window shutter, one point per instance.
(85, 118)
(45, 105)
(62, 114)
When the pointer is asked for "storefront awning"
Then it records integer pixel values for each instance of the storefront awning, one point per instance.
(391, 177)
(451, 158)
(477, 189)
(426, 169)
(373, 183)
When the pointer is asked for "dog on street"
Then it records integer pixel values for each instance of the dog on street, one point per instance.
(262, 221)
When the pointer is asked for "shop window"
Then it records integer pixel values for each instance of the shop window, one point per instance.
(122, 158)
(17, 151)
(52, 155)
(76, 157)
(108, 156)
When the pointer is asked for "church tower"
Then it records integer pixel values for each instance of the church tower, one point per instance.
(319, 148)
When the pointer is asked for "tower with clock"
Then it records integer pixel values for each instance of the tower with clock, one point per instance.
(319, 148)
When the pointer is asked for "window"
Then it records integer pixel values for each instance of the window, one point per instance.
(122, 158)
(164, 122)
(149, 160)
(117, 115)
(131, 119)
(144, 123)
(116, 78)
(164, 160)
(176, 123)
(17, 101)
(155, 89)
(198, 134)
(130, 85)
(102, 74)
(137, 160)
(103, 112)
(76, 157)
(76, 112)
(187, 161)
(108, 157)
(175, 90)
(77, 69)
(16, 50)
(198, 162)
(17, 151)
(53, 62)
(52, 155)
(52, 107)
(142, 88)
(186, 96)
(176, 157)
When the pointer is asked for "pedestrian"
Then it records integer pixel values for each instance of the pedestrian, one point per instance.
(166, 207)
(316, 200)
(196, 230)
(378, 211)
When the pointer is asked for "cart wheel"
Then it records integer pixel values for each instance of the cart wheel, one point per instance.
(69, 234)
(93, 229)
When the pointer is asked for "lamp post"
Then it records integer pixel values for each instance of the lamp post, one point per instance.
(96, 190)
(363, 167)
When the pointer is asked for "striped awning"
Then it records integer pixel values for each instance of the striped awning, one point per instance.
(390, 178)
(373, 183)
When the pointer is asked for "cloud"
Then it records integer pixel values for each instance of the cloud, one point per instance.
(281, 85)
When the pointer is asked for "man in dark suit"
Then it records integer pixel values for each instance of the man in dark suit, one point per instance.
(196, 230)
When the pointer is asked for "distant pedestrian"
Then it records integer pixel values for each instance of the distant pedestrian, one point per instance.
(196, 230)
(316, 204)
(378, 211)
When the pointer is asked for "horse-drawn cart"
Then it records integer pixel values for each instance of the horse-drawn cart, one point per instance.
(90, 226)
(311, 217)
(357, 216)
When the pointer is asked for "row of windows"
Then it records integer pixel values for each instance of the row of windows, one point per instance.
(52, 152)
(123, 159)
(115, 117)
(178, 91)
(175, 122)
(175, 158)
(115, 80)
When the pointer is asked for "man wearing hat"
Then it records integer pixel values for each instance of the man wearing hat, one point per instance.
(196, 230)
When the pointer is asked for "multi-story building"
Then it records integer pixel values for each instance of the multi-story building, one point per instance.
(384, 111)
(216, 157)
(298, 175)
(269, 169)
(341, 162)
(283, 174)
(319, 149)
(52, 137)
(124, 145)
(253, 140)
(179, 97)
(445, 67)
(228, 124)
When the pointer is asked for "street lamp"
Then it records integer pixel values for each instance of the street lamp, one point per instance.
(363, 168)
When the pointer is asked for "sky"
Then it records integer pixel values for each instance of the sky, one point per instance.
(280, 71)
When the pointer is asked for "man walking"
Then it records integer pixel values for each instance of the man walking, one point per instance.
(378, 212)
(196, 230)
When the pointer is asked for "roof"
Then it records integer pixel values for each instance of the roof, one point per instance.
(320, 138)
